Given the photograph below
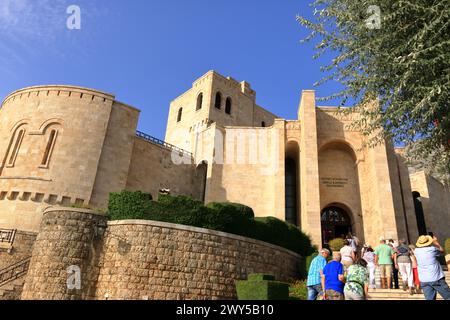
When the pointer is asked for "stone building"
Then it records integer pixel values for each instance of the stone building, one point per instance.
(66, 145)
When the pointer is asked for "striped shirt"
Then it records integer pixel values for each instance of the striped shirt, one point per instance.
(316, 266)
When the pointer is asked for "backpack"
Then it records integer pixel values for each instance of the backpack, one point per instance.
(403, 251)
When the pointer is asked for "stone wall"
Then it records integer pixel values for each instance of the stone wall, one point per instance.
(145, 260)
(67, 238)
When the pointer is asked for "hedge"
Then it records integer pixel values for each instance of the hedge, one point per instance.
(262, 287)
(447, 246)
(226, 217)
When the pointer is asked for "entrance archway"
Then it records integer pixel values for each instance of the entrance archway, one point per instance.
(336, 223)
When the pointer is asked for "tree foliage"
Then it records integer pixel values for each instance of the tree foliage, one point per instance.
(404, 62)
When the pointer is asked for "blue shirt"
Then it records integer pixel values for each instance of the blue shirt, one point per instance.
(331, 273)
(428, 266)
(317, 264)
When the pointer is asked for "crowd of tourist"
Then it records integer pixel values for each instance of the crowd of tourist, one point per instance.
(348, 274)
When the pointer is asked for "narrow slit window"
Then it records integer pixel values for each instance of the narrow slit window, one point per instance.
(199, 101)
(16, 146)
(180, 114)
(49, 148)
(263, 124)
(218, 102)
(228, 106)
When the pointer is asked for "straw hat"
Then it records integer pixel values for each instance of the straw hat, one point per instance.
(424, 241)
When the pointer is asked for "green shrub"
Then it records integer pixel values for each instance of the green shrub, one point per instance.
(298, 291)
(283, 234)
(447, 246)
(231, 217)
(255, 289)
(226, 217)
(336, 244)
(128, 205)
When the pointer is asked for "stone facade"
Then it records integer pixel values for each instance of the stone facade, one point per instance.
(65, 145)
(144, 260)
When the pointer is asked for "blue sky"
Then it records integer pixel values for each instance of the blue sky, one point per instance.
(147, 52)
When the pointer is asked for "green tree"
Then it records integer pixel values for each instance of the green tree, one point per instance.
(396, 51)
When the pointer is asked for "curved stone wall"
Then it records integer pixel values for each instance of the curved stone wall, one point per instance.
(67, 238)
(146, 260)
(79, 119)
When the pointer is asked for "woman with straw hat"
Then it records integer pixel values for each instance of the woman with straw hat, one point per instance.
(432, 278)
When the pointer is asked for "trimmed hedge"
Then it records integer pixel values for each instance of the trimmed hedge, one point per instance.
(226, 217)
(128, 205)
(257, 288)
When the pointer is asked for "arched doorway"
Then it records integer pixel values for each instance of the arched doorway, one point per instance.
(336, 223)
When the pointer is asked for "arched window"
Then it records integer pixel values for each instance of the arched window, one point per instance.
(14, 146)
(49, 148)
(228, 106)
(263, 124)
(180, 114)
(199, 101)
(218, 103)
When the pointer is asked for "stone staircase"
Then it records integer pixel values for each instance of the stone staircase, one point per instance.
(12, 290)
(12, 279)
(399, 294)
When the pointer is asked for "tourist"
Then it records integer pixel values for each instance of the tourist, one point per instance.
(403, 265)
(357, 281)
(333, 279)
(354, 243)
(432, 278)
(393, 244)
(347, 254)
(414, 268)
(383, 260)
(369, 257)
(314, 283)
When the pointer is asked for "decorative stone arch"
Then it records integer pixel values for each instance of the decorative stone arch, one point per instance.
(343, 145)
(50, 122)
(18, 132)
(51, 130)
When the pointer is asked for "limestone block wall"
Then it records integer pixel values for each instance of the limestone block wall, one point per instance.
(145, 260)
(152, 168)
(67, 238)
(154, 260)
(436, 204)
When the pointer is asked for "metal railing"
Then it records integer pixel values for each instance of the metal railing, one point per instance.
(14, 271)
(7, 235)
(161, 143)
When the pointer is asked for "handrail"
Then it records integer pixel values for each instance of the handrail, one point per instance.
(160, 142)
(7, 235)
(14, 271)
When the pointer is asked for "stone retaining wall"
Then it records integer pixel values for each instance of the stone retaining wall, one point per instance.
(145, 260)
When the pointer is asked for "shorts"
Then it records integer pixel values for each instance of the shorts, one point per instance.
(385, 270)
